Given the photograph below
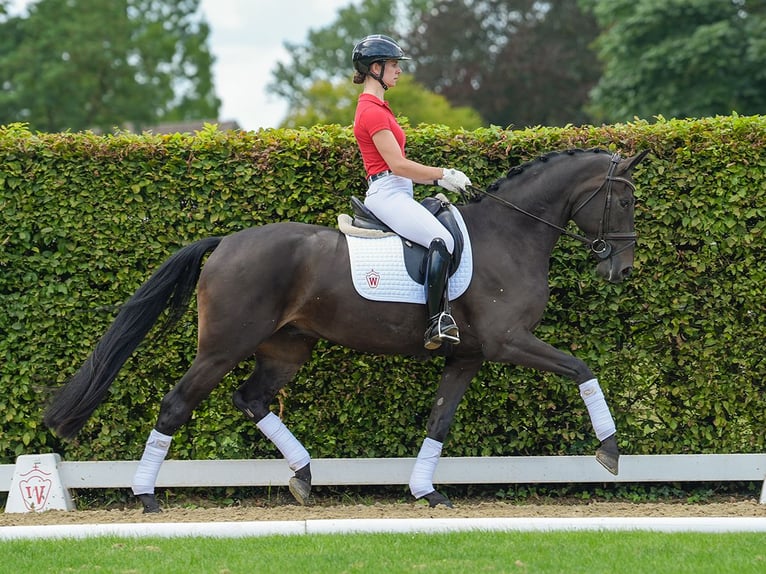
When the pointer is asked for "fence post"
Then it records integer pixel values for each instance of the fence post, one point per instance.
(36, 485)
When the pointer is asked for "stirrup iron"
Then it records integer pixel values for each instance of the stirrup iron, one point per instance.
(441, 328)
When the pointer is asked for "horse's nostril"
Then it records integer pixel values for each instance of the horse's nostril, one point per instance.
(626, 271)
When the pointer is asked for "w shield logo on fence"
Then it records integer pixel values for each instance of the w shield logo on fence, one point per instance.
(35, 487)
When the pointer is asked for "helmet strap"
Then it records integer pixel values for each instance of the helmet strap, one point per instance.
(380, 77)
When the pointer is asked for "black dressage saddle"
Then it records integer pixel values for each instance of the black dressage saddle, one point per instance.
(414, 254)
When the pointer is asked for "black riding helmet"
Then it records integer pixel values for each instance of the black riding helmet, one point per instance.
(376, 48)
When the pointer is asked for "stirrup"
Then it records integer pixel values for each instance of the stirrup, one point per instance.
(441, 328)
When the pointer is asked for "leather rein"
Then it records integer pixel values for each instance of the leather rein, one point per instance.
(600, 246)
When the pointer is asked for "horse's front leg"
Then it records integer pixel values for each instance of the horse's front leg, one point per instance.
(526, 350)
(457, 375)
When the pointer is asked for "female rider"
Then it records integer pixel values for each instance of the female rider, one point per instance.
(390, 175)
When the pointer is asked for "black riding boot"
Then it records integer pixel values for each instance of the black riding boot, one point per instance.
(441, 325)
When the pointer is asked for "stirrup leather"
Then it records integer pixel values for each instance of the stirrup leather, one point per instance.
(441, 328)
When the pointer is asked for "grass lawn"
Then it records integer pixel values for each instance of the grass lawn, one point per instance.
(461, 553)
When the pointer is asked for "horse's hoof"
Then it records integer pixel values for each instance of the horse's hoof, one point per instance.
(608, 455)
(300, 489)
(436, 498)
(150, 503)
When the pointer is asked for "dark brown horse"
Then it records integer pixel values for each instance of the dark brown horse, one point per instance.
(269, 292)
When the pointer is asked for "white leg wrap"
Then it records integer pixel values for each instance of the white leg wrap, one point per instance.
(149, 466)
(276, 431)
(591, 394)
(421, 479)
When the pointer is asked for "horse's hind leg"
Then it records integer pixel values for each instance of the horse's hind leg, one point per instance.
(278, 359)
(176, 408)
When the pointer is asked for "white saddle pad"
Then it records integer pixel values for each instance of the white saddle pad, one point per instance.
(379, 273)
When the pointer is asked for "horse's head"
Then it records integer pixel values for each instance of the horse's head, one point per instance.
(604, 210)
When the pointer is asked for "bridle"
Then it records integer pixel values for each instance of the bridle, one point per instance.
(600, 246)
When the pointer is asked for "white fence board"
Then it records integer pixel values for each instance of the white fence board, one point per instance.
(396, 471)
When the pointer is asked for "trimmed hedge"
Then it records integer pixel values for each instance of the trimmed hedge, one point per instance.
(678, 348)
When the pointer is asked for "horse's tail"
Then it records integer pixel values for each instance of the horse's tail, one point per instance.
(171, 286)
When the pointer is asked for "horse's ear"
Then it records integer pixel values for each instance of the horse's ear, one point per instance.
(629, 163)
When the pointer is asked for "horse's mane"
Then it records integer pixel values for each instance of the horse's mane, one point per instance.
(514, 171)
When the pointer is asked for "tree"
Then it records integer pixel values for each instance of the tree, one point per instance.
(330, 103)
(316, 81)
(680, 58)
(521, 62)
(518, 62)
(87, 64)
(326, 54)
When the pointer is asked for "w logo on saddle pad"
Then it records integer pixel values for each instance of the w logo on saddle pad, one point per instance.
(379, 271)
(373, 279)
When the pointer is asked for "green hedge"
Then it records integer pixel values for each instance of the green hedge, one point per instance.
(678, 348)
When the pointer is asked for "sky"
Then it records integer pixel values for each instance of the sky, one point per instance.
(246, 39)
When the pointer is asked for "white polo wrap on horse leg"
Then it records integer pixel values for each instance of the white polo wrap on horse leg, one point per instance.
(276, 431)
(149, 466)
(421, 479)
(593, 396)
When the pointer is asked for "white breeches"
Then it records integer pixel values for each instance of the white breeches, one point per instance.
(391, 200)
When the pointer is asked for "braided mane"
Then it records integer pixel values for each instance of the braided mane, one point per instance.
(543, 158)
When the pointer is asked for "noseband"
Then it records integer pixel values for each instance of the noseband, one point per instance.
(600, 246)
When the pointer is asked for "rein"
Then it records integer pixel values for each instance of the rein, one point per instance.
(600, 247)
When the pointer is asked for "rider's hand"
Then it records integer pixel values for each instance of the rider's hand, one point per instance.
(454, 180)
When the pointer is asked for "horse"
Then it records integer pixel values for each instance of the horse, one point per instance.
(273, 291)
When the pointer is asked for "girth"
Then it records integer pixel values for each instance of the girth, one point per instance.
(414, 254)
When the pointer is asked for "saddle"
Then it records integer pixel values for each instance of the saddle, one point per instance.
(415, 255)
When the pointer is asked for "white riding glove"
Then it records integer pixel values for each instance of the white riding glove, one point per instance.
(453, 180)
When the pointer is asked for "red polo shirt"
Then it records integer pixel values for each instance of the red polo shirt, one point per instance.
(373, 115)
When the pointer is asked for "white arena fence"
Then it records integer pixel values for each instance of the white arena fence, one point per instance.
(396, 471)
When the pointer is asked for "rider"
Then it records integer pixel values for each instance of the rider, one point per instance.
(390, 176)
